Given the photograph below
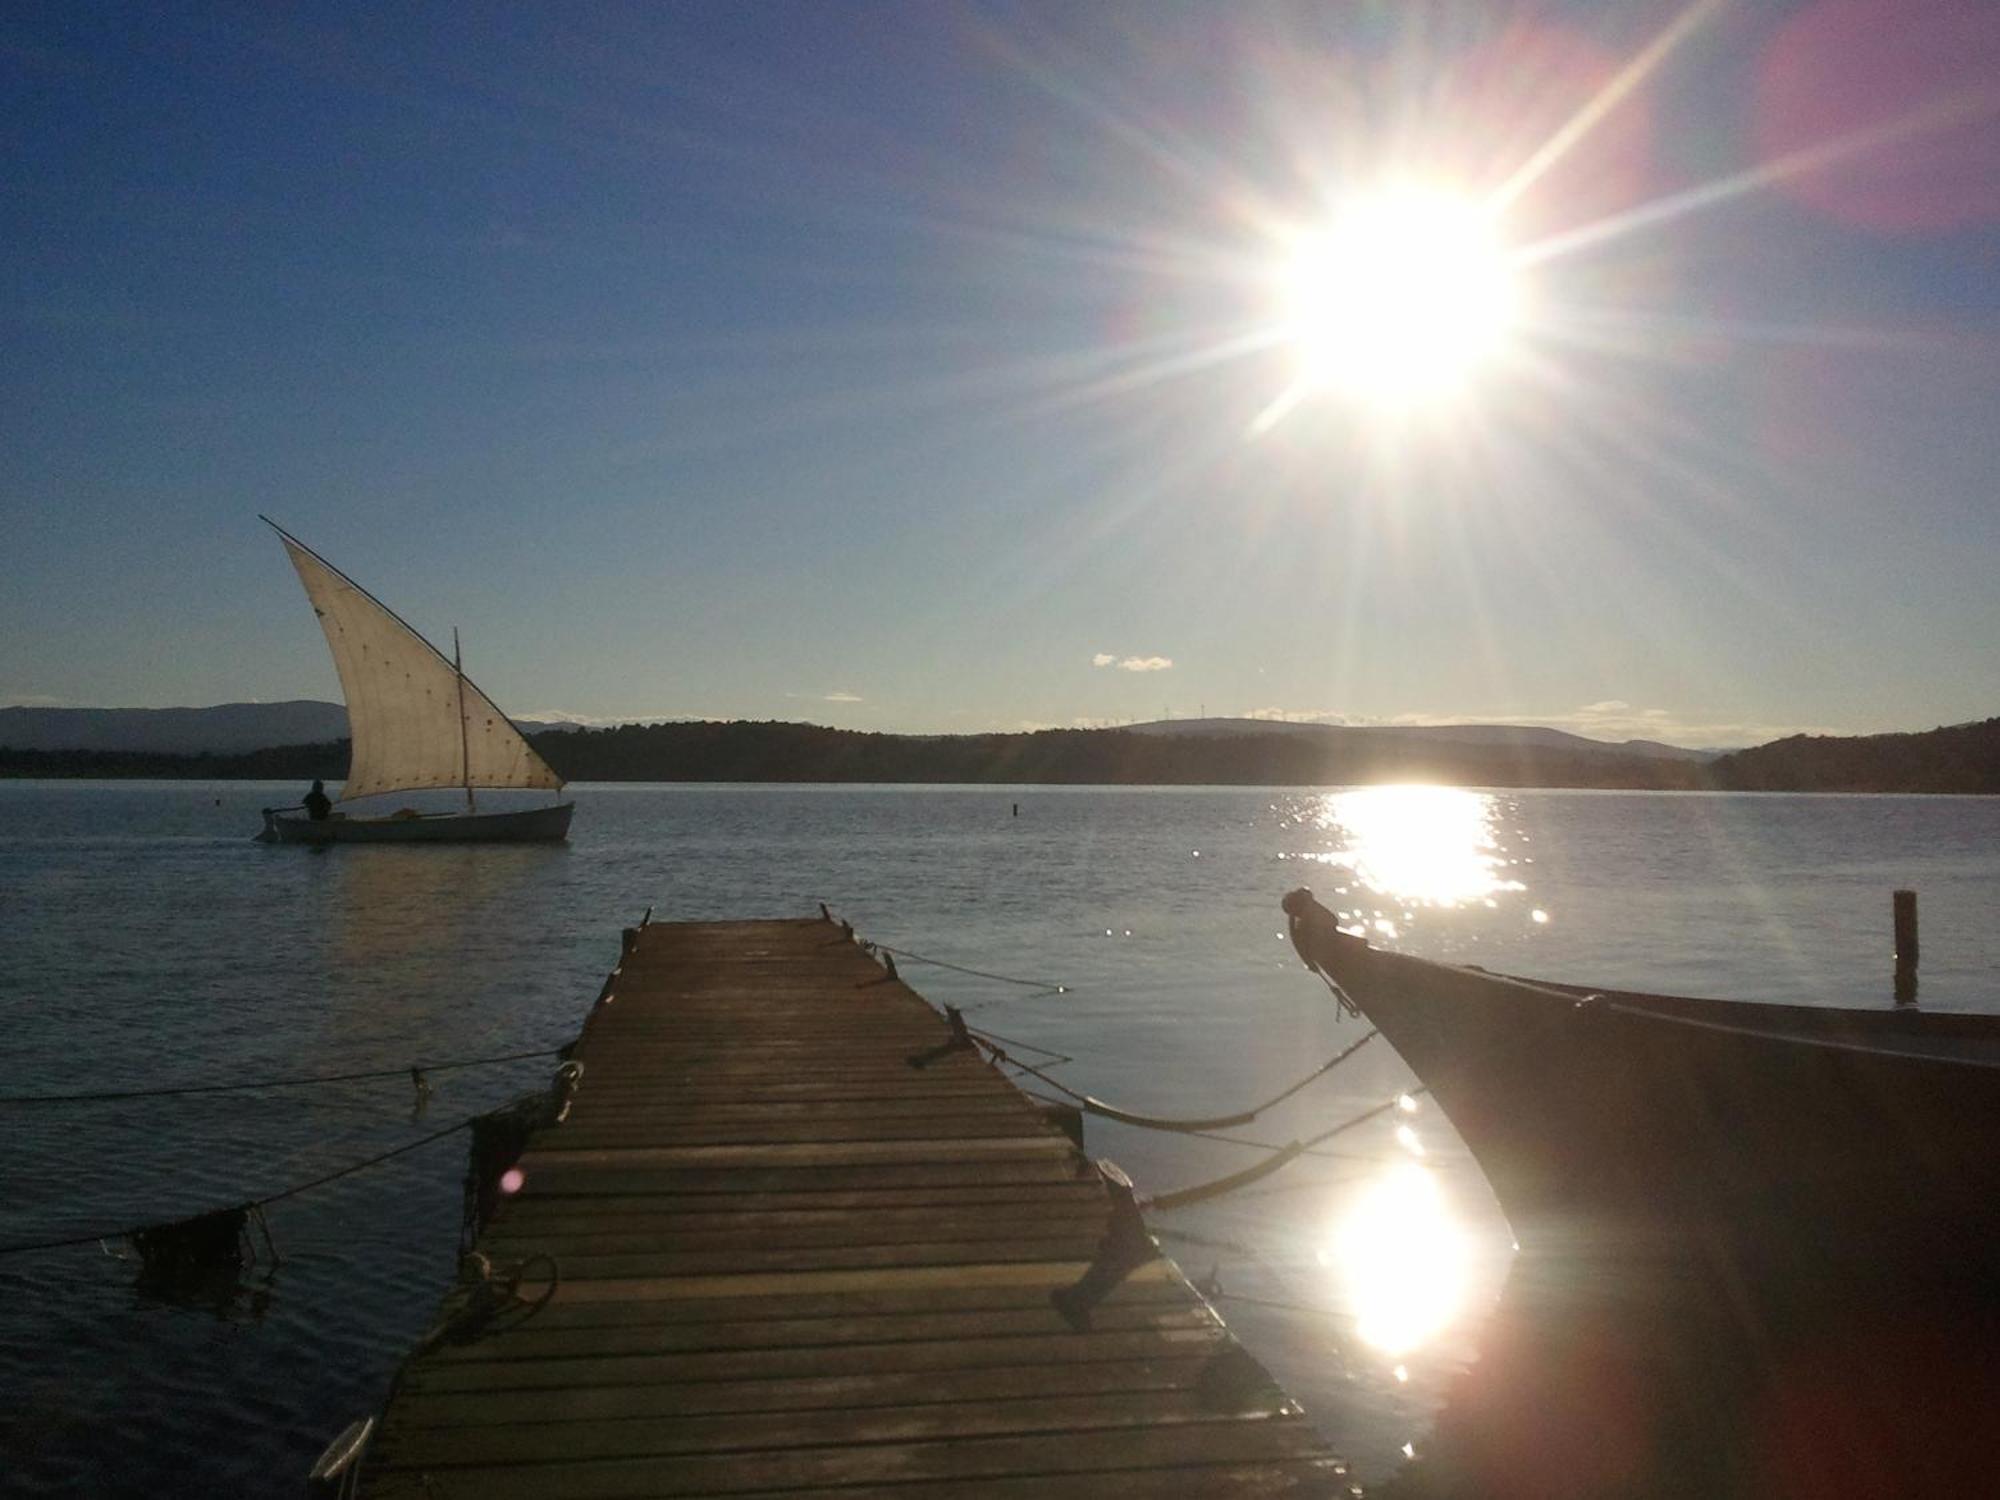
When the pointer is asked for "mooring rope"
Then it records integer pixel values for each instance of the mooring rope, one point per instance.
(1106, 1111)
(868, 946)
(1199, 1192)
(298, 1081)
(1206, 1242)
(1042, 986)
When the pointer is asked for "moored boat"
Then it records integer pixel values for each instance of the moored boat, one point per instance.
(1789, 1153)
(416, 722)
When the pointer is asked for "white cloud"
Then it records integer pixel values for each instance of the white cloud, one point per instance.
(1103, 659)
(843, 698)
(605, 721)
(1132, 663)
(1299, 715)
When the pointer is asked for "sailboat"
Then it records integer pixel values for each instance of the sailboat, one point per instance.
(416, 722)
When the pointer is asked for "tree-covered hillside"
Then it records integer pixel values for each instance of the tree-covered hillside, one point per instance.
(1962, 758)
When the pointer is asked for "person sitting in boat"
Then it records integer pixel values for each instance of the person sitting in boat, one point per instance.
(319, 806)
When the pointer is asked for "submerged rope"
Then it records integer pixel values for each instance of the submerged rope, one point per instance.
(1271, 1302)
(1049, 1055)
(299, 1081)
(1231, 1140)
(1215, 1187)
(278, 1197)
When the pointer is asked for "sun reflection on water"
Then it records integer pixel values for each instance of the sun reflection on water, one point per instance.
(1427, 845)
(1403, 1258)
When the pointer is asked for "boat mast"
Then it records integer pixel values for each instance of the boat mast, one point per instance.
(464, 749)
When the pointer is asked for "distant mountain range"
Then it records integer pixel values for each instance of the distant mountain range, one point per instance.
(1200, 752)
(1278, 754)
(1520, 735)
(225, 729)
(237, 728)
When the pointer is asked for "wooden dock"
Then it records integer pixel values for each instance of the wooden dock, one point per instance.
(793, 1260)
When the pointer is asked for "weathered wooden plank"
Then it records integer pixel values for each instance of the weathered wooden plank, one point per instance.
(804, 1042)
(1004, 1104)
(1300, 1479)
(859, 1092)
(600, 1133)
(1044, 1274)
(589, 1236)
(1072, 1192)
(586, 1234)
(895, 1298)
(964, 1457)
(917, 1088)
(754, 1364)
(935, 1091)
(1055, 1417)
(590, 1137)
(531, 1341)
(804, 1153)
(900, 1103)
(720, 1077)
(722, 1180)
(420, 1409)
(698, 1216)
(667, 1260)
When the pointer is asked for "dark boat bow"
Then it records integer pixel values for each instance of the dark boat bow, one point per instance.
(1763, 1143)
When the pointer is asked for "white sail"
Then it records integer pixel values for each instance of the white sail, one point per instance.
(415, 721)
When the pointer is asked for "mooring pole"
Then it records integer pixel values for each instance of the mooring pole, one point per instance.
(1906, 947)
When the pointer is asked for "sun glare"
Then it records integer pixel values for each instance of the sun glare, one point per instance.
(1400, 297)
(1404, 1259)
(1436, 845)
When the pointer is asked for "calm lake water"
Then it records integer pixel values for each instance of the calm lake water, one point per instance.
(144, 939)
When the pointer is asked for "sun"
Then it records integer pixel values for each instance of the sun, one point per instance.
(1401, 297)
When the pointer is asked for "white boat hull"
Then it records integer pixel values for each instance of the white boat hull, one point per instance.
(530, 825)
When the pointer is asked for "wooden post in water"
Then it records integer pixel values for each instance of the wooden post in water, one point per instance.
(1906, 947)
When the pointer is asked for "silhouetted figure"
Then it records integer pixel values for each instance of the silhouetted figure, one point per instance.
(318, 805)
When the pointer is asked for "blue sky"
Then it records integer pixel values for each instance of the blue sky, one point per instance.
(897, 365)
